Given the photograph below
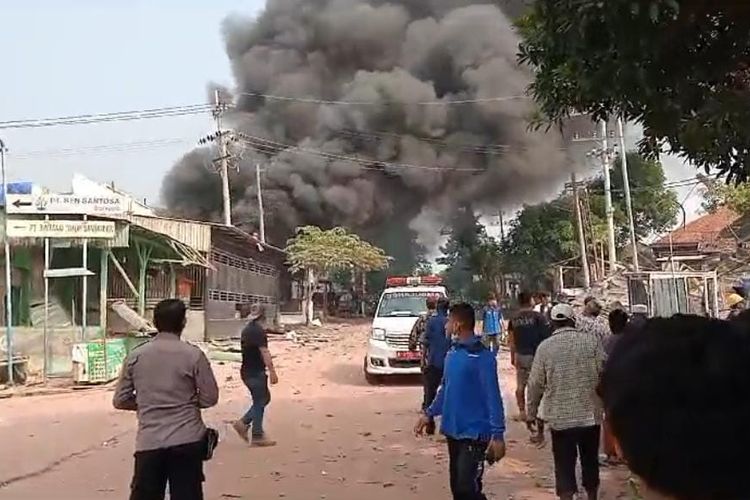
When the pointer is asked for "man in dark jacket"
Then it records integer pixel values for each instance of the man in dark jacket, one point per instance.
(470, 405)
(435, 346)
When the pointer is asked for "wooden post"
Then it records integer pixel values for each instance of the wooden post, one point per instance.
(103, 281)
(144, 253)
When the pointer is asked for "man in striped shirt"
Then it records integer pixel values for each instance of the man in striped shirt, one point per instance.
(565, 373)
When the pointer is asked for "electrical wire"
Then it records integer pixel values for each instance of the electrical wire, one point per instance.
(107, 117)
(446, 102)
(266, 145)
(125, 147)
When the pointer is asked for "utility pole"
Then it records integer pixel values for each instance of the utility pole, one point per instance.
(261, 214)
(581, 236)
(502, 226)
(609, 211)
(223, 159)
(8, 278)
(626, 188)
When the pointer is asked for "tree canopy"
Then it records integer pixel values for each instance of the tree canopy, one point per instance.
(681, 68)
(720, 194)
(333, 249)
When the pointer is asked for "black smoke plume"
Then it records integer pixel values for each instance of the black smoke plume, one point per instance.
(392, 151)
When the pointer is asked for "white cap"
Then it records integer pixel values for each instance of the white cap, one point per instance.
(639, 309)
(561, 312)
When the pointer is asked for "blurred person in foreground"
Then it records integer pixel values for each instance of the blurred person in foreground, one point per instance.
(257, 370)
(471, 407)
(436, 344)
(618, 323)
(167, 382)
(492, 324)
(526, 330)
(565, 373)
(675, 396)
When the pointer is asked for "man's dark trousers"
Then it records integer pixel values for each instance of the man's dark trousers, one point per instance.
(257, 384)
(180, 466)
(432, 377)
(466, 458)
(567, 445)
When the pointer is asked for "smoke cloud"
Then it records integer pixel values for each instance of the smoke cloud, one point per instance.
(390, 153)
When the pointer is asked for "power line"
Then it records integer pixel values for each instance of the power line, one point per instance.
(265, 145)
(107, 117)
(123, 147)
(446, 102)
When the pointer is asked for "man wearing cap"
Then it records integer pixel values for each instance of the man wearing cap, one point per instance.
(736, 305)
(566, 372)
(257, 367)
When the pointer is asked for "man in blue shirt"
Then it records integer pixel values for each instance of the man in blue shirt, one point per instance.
(492, 324)
(435, 346)
(471, 407)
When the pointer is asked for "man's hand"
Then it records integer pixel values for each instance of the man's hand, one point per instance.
(274, 377)
(422, 424)
(495, 451)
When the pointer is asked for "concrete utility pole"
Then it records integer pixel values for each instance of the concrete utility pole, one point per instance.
(261, 214)
(8, 277)
(223, 159)
(609, 211)
(626, 188)
(581, 236)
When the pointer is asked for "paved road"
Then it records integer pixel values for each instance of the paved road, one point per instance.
(338, 439)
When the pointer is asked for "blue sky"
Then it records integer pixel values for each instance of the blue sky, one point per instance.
(70, 57)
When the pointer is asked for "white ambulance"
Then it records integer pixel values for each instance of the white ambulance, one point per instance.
(399, 307)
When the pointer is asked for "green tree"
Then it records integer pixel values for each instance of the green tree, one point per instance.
(679, 67)
(545, 234)
(317, 251)
(718, 194)
(473, 259)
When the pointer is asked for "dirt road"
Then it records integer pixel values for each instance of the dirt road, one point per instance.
(338, 439)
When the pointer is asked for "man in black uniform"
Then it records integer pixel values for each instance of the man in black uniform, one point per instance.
(257, 368)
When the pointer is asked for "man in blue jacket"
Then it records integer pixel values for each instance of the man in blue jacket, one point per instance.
(471, 407)
(492, 324)
(435, 345)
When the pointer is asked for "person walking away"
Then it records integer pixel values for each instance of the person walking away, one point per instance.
(695, 370)
(566, 372)
(591, 321)
(167, 383)
(471, 407)
(436, 344)
(526, 330)
(618, 322)
(256, 370)
(492, 324)
(544, 305)
(416, 336)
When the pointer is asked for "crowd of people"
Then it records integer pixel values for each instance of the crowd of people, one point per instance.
(641, 392)
(663, 396)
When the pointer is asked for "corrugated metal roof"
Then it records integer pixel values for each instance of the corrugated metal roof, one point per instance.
(192, 233)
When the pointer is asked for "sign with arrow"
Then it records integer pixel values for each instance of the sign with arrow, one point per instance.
(70, 229)
(67, 204)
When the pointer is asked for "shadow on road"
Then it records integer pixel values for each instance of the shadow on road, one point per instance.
(353, 375)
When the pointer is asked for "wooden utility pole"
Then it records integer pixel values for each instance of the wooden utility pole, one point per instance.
(261, 214)
(608, 209)
(581, 236)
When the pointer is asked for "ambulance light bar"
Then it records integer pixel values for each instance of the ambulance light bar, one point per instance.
(413, 280)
